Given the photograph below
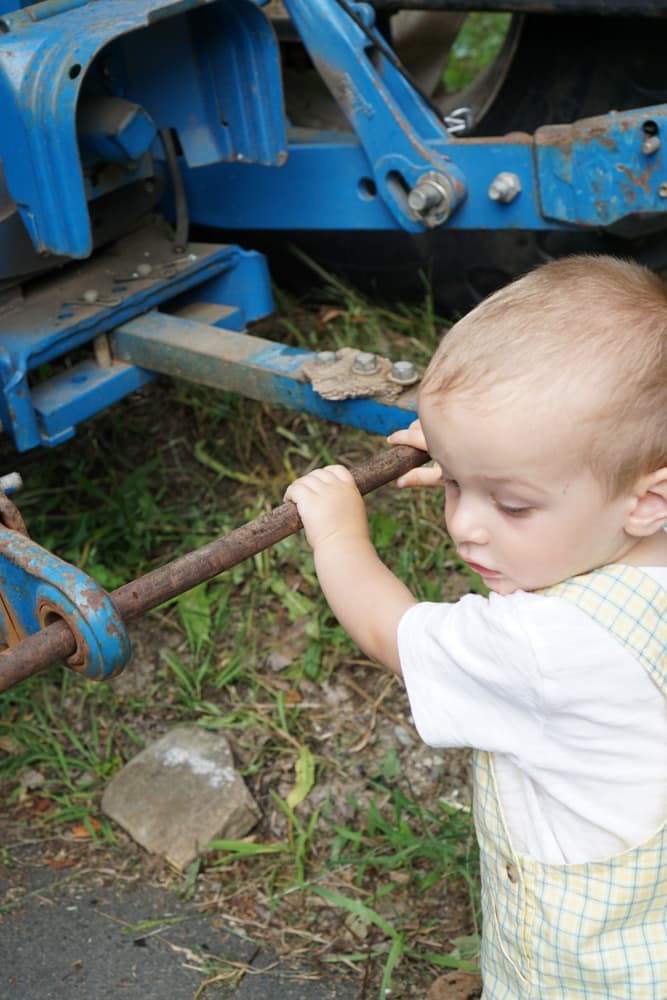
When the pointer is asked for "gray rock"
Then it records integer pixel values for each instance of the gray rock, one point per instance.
(181, 792)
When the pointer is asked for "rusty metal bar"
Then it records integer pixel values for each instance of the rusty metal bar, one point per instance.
(56, 642)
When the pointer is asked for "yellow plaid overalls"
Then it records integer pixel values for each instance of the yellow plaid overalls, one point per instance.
(590, 931)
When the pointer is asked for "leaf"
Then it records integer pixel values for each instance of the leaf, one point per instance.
(194, 608)
(243, 848)
(86, 830)
(359, 909)
(305, 778)
(297, 605)
(466, 948)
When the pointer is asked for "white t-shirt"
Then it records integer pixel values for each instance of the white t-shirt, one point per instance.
(577, 726)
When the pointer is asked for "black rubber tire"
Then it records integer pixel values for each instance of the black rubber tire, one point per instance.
(564, 67)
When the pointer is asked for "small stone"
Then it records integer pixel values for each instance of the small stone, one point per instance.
(277, 661)
(31, 778)
(403, 736)
(456, 986)
(181, 792)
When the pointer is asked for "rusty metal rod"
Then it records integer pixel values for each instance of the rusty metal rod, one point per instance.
(56, 643)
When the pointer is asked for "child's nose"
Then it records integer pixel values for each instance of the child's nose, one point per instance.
(465, 522)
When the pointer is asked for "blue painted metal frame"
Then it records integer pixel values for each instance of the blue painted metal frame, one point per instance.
(47, 326)
(35, 586)
(591, 173)
(395, 126)
(586, 174)
(180, 78)
(251, 366)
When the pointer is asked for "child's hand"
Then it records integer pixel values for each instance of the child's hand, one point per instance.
(330, 505)
(425, 475)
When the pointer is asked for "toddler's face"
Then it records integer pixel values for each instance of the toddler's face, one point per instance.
(520, 507)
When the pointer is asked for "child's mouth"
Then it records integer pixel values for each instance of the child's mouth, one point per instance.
(483, 571)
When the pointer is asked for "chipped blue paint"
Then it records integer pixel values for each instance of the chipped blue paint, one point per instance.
(36, 586)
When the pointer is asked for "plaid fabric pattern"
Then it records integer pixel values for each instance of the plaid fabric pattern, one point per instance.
(593, 931)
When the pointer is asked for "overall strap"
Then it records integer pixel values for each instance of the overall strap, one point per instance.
(631, 605)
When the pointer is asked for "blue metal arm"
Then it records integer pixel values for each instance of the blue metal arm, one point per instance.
(393, 123)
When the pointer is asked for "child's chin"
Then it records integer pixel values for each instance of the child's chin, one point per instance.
(503, 587)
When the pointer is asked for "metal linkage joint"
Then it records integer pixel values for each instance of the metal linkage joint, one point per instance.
(37, 588)
(431, 199)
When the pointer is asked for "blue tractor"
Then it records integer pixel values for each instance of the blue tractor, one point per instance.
(157, 157)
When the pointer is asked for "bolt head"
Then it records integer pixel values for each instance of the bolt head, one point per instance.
(325, 357)
(403, 372)
(651, 145)
(430, 200)
(365, 363)
(504, 187)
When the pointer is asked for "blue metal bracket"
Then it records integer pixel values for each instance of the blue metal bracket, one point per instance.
(597, 171)
(393, 123)
(36, 587)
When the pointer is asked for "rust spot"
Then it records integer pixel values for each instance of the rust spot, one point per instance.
(10, 515)
(94, 597)
(587, 130)
(636, 180)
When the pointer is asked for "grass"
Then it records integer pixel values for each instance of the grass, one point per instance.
(357, 860)
(475, 47)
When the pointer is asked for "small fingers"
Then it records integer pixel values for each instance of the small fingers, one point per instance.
(313, 482)
(429, 475)
(412, 435)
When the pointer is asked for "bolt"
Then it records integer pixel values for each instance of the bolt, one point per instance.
(325, 357)
(430, 200)
(403, 372)
(651, 144)
(504, 187)
(143, 270)
(424, 197)
(365, 363)
(662, 190)
(90, 296)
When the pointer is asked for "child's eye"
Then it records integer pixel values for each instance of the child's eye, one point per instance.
(513, 511)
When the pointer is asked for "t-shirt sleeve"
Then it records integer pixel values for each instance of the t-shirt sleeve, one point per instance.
(471, 674)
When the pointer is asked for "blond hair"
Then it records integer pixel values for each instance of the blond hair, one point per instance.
(595, 326)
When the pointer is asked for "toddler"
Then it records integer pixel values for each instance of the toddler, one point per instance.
(545, 412)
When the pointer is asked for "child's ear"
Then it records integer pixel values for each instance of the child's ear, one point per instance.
(649, 513)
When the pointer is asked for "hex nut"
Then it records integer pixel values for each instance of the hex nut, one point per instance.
(403, 372)
(325, 357)
(365, 363)
(504, 187)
